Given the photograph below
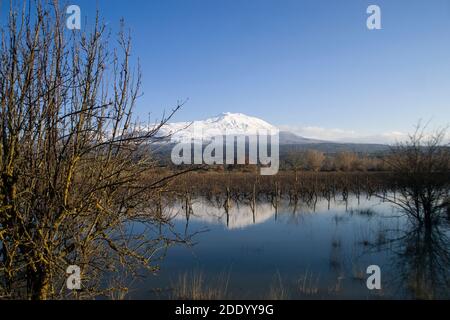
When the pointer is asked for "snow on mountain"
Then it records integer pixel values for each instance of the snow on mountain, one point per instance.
(223, 124)
(238, 124)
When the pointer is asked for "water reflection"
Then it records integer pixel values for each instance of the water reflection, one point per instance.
(240, 215)
(306, 251)
(422, 259)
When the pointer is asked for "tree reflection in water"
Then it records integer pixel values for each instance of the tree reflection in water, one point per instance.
(421, 260)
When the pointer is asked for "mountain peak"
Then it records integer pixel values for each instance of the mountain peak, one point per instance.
(236, 123)
(231, 114)
(226, 123)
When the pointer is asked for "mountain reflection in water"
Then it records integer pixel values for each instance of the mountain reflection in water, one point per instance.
(299, 252)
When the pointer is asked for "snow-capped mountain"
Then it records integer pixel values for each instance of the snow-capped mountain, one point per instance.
(223, 124)
(237, 124)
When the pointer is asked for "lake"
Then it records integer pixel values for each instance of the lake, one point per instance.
(298, 252)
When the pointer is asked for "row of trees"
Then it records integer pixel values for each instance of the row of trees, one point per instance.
(313, 160)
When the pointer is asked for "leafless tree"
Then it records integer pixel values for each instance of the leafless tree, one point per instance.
(295, 160)
(421, 173)
(314, 160)
(73, 176)
(344, 161)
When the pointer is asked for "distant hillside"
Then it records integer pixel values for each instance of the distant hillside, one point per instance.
(238, 124)
(331, 147)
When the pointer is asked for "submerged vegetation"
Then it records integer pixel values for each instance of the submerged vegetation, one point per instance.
(195, 286)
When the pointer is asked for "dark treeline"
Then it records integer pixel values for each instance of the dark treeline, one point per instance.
(314, 160)
(300, 160)
(287, 182)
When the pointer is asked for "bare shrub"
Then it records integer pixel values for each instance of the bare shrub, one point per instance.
(70, 161)
(344, 161)
(195, 286)
(314, 160)
(421, 171)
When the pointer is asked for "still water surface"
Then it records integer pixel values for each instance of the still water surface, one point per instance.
(299, 252)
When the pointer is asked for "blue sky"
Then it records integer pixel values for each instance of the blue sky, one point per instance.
(302, 64)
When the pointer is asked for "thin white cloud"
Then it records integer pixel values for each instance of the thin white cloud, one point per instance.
(341, 135)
